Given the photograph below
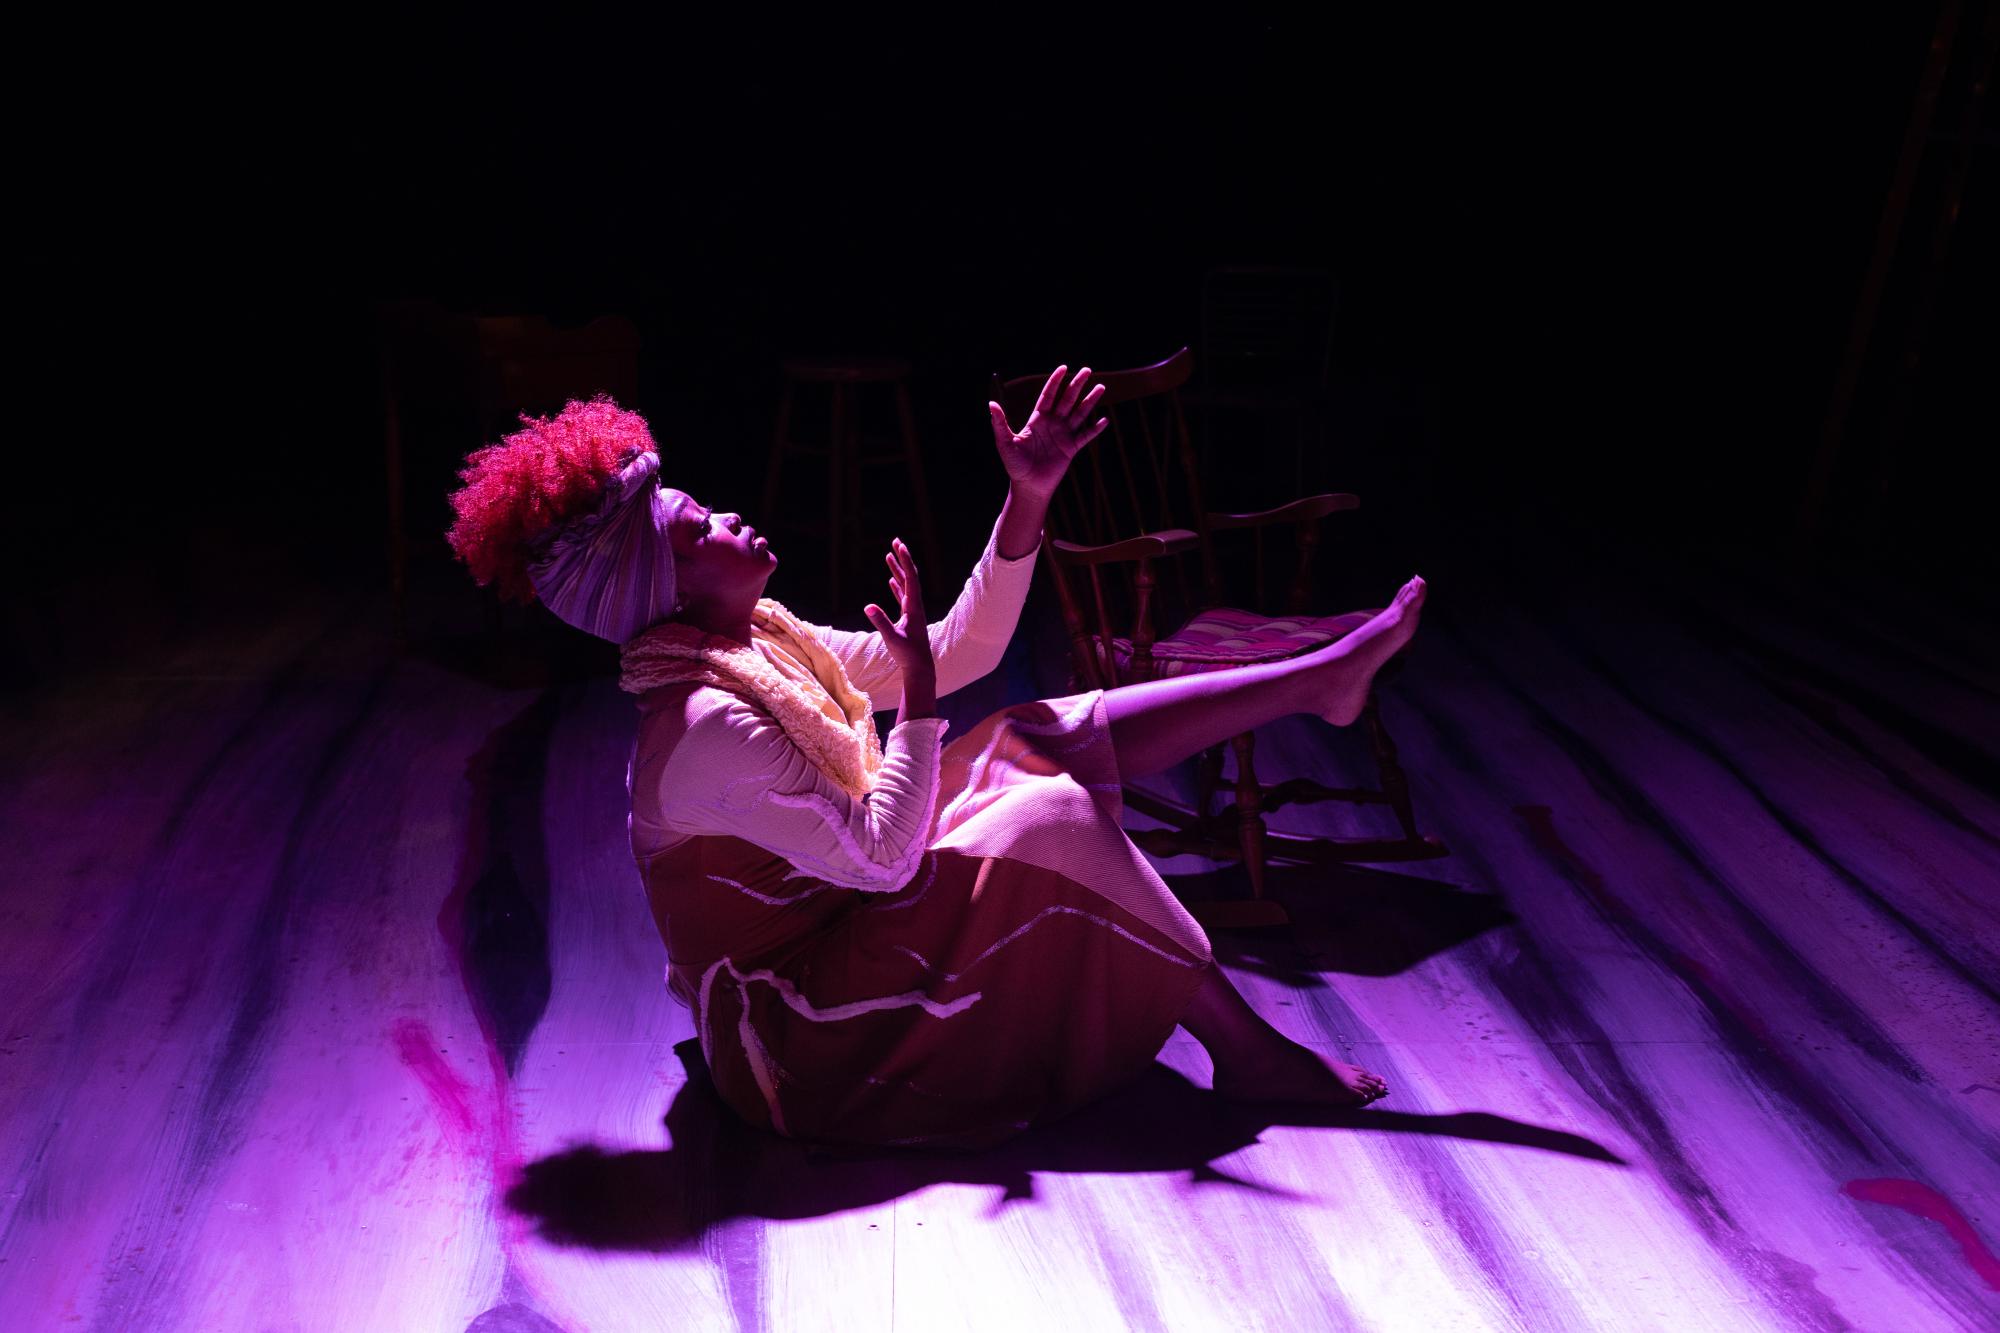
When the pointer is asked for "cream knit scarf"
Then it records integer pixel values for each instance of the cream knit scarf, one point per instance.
(785, 669)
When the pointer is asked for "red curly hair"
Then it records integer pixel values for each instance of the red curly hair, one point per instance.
(548, 472)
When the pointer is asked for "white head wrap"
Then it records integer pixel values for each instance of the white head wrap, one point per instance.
(611, 572)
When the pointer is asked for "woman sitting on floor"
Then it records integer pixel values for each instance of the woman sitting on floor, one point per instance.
(905, 942)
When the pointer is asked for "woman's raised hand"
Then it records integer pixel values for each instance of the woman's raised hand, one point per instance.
(908, 639)
(1037, 456)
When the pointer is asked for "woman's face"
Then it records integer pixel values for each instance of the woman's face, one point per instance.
(716, 554)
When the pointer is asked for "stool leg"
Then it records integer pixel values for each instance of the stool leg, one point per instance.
(1249, 811)
(780, 439)
(399, 554)
(836, 468)
(1298, 450)
(908, 417)
(850, 460)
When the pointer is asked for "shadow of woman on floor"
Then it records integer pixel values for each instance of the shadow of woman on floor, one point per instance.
(719, 1169)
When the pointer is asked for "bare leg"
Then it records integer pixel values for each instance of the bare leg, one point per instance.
(1157, 723)
(1256, 1062)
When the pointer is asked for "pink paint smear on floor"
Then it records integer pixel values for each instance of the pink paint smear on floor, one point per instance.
(1927, 1203)
(418, 1049)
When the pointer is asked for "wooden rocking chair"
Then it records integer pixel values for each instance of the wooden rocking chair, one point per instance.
(1133, 501)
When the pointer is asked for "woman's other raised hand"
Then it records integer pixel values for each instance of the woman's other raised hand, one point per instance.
(1037, 456)
(908, 638)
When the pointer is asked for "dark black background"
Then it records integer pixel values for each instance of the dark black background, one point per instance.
(1595, 270)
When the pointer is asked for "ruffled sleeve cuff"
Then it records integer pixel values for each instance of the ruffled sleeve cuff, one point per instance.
(919, 731)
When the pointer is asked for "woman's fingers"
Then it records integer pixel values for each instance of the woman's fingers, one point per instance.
(1067, 403)
(1048, 395)
(1089, 401)
(913, 586)
(902, 577)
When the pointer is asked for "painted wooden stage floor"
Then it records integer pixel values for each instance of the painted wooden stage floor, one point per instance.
(330, 1001)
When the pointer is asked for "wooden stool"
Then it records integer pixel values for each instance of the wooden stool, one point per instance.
(846, 377)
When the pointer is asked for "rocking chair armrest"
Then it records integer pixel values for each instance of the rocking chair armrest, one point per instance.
(1303, 510)
(1151, 545)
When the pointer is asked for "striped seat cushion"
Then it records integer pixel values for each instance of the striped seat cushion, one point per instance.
(1223, 636)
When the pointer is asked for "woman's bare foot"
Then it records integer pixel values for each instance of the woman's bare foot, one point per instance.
(1354, 659)
(1301, 1074)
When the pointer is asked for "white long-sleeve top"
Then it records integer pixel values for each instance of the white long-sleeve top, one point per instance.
(966, 644)
(721, 765)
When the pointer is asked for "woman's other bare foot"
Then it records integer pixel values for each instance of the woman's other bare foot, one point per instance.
(1300, 1074)
(1353, 660)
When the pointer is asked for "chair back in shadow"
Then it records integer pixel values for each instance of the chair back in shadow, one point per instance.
(452, 382)
(527, 365)
(1131, 502)
(1140, 481)
(1138, 478)
(1267, 357)
(1266, 331)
